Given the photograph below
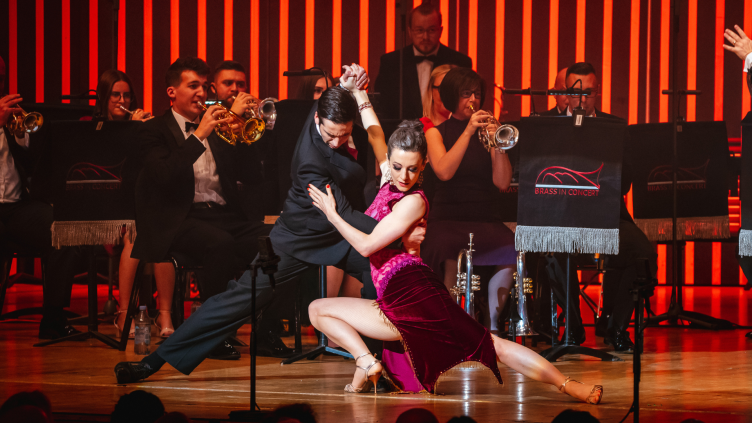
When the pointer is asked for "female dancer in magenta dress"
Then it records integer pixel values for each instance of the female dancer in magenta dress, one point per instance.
(413, 305)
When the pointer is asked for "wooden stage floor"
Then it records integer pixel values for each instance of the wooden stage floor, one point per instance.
(687, 373)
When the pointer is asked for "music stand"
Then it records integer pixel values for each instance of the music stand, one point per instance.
(88, 173)
(564, 205)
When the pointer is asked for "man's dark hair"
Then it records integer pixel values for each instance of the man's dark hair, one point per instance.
(228, 65)
(137, 407)
(409, 136)
(175, 71)
(573, 416)
(457, 80)
(424, 9)
(581, 68)
(337, 105)
(301, 412)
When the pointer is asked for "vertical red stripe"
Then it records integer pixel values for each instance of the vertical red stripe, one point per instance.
(228, 29)
(390, 18)
(665, 31)
(121, 37)
(472, 32)
(634, 61)
(147, 54)
(93, 45)
(417, 3)
(720, 52)
(661, 264)
(283, 39)
(579, 55)
(716, 262)
(527, 17)
(689, 262)
(747, 27)
(254, 67)
(337, 36)
(202, 29)
(39, 46)
(499, 55)
(608, 16)
(444, 8)
(174, 30)
(553, 47)
(309, 32)
(12, 65)
(65, 44)
(363, 47)
(691, 59)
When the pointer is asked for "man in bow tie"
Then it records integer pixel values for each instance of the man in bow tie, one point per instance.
(419, 59)
(187, 198)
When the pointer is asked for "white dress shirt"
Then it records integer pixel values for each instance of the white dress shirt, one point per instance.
(569, 112)
(207, 187)
(10, 180)
(748, 62)
(424, 70)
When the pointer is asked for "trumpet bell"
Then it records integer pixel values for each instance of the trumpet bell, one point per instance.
(30, 123)
(506, 137)
(268, 111)
(253, 129)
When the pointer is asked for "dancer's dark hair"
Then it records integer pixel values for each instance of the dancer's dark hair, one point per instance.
(409, 136)
(337, 105)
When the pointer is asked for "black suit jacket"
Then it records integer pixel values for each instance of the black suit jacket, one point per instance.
(302, 231)
(387, 81)
(626, 166)
(166, 184)
(22, 159)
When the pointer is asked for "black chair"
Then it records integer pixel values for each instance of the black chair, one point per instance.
(9, 252)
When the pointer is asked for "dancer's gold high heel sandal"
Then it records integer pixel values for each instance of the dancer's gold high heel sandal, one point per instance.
(370, 379)
(131, 333)
(595, 394)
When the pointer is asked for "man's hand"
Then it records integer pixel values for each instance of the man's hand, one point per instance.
(414, 236)
(8, 107)
(244, 102)
(741, 45)
(209, 122)
(355, 77)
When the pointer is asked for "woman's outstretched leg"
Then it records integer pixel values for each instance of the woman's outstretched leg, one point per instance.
(532, 365)
(344, 319)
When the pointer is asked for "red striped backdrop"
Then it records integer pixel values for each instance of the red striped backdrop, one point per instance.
(57, 47)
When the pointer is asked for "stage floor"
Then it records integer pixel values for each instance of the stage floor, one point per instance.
(687, 373)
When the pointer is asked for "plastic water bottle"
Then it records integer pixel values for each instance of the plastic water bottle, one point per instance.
(143, 332)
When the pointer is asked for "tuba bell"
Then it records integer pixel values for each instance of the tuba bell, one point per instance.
(497, 136)
(519, 324)
(464, 284)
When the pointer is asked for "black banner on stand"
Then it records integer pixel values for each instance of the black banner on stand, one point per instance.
(702, 180)
(570, 185)
(745, 233)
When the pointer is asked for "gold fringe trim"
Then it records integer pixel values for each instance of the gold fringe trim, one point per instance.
(96, 232)
(386, 319)
(688, 228)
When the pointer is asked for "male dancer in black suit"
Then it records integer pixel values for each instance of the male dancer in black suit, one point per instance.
(633, 244)
(25, 222)
(186, 194)
(419, 59)
(302, 237)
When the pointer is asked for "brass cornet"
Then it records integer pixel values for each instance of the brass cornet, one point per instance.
(25, 123)
(503, 137)
(224, 130)
(257, 123)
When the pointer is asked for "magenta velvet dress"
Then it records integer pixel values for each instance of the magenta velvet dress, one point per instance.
(436, 333)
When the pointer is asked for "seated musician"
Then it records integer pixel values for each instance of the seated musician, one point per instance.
(25, 223)
(186, 195)
(562, 101)
(231, 89)
(467, 198)
(312, 86)
(117, 101)
(633, 244)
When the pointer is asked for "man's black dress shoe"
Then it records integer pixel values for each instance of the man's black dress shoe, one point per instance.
(132, 371)
(576, 337)
(56, 330)
(601, 326)
(620, 341)
(224, 351)
(270, 345)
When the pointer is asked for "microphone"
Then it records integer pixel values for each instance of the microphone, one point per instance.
(570, 91)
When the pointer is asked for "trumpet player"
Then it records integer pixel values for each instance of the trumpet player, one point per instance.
(231, 88)
(26, 222)
(116, 99)
(467, 197)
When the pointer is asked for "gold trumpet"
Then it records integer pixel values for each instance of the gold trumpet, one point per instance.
(146, 115)
(224, 130)
(25, 123)
(503, 137)
(257, 123)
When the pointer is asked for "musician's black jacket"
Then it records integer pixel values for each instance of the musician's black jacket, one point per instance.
(166, 184)
(22, 159)
(387, 81)
(302, 231)
(626, 166)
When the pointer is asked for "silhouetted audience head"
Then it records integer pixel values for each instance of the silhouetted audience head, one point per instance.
(461, 419)
(417, 415)
(691, 421)
(25, 414)
(292, 413)
(572, 416)
(137, 407)
(174, 417)
(34, 398)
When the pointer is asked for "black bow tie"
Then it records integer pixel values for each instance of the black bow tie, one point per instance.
(190, 125)
(431, 58)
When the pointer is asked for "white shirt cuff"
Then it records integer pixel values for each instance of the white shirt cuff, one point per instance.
(23, 141)
(748, 62)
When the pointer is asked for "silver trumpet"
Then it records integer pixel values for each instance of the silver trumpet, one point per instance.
(522, 287)
(147, 115)
(497, 136)
(466, 285)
